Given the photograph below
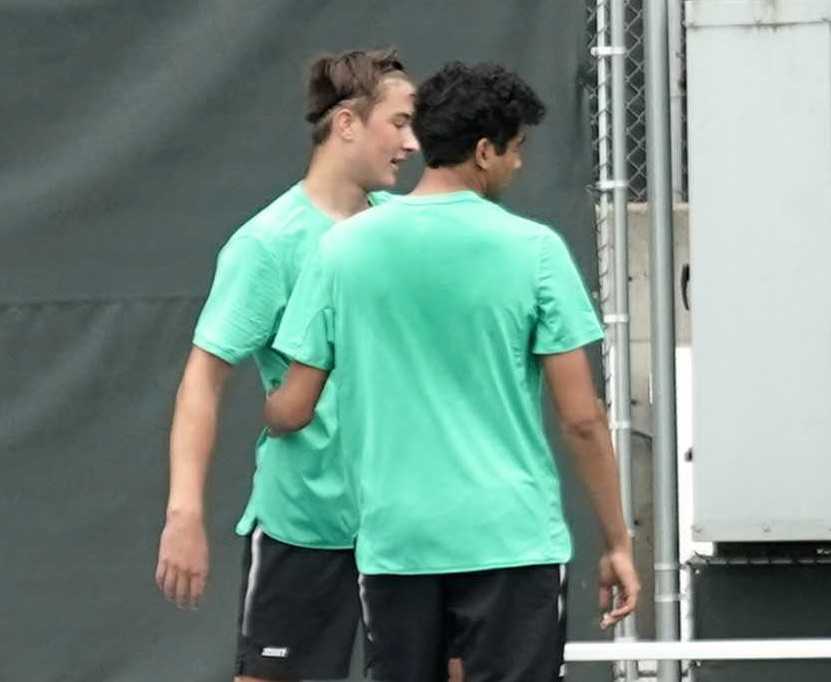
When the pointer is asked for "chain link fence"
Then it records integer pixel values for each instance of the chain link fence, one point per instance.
(635, 96)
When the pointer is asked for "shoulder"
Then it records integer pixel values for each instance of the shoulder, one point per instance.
(545, 238)
(527, 226)
(344, 230)
(286, 220)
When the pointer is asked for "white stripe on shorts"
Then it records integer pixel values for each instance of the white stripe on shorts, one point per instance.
(253, 574)
(561, 597)
(364, 606)
(561, 613)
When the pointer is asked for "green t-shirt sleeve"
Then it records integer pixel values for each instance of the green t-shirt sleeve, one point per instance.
(246, 299)
(566, 318)
(307, 331)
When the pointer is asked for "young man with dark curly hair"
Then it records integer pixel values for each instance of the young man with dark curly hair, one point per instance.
(299, 607)
(442, 313)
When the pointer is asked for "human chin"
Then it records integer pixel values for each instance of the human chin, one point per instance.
(386, 175)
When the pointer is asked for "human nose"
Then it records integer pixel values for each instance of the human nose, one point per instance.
(410, 143)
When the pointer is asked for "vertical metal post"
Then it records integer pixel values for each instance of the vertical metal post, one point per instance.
(614, 270)
(622, 413)
(659, 184)
(604, 243)
(676, 96)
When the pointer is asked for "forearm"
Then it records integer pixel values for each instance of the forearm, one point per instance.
(281, 413)
(593, 454)
(291, 407)
(192, 440)
(273, 416)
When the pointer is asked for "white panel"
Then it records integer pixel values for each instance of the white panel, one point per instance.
(756, 12)
(759, 113)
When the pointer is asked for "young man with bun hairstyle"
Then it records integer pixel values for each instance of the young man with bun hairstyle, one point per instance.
(299, 606)
(443, 313)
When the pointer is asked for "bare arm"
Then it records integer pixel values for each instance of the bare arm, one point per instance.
(585, 429)
(292, 405)
(182, 568)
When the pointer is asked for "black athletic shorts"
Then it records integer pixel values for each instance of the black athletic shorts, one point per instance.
(507, 625)
(299, 611)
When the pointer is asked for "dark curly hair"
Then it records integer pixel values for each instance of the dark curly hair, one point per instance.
(462, 104)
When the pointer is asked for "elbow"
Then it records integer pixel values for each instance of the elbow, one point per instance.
(281, 420)
(298, 419)
(584, 427)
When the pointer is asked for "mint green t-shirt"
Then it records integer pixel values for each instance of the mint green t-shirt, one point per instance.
(302, 493)
(433, 311)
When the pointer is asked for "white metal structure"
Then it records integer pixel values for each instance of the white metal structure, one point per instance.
(700, 650)
(759, 114)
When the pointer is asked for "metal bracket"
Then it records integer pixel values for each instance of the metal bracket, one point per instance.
(667, 598)
(608, 51)
(674, 566)
(609, 185)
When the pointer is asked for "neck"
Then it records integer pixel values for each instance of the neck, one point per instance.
(330, 186)
(450, 179)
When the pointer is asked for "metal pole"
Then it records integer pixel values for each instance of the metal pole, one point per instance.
(604, 245)
(659, 182)
(613, 259)
(622, 403)
(676, 102)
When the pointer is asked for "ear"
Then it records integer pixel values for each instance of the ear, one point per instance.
(483, 153)
(343, 123)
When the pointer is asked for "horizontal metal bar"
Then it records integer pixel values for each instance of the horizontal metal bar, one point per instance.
(671, 566)
(667, 598)
(607, 51)
(610, 185)
(699, 650)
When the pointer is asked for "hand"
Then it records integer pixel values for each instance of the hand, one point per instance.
(619, 586)
(182, 569)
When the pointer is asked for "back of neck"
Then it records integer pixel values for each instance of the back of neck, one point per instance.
(449, 179)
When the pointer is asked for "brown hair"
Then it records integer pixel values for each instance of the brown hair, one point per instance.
(352, 79)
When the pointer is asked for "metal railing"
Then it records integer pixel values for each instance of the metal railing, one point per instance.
(700, 650)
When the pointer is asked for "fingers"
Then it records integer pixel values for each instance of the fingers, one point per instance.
(619, 588)
(604, 598)
(169, 584)
(182, 595)
(182, 568)
(616, 615)
(197, 588)
(626, 603)
(621, 612)
(161, 570)
(606, 621)
(625, 606)
(181, 587)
